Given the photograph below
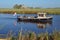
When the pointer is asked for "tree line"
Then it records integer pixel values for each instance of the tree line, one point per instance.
(16, 6)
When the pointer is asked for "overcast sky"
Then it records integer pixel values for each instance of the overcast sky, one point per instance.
(31, 3)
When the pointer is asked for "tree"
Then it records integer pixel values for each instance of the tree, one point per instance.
(17, 6)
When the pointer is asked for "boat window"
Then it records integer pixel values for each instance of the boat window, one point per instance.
(35, 16)
(41, 15)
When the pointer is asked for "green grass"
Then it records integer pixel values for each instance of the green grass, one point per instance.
(30, 11)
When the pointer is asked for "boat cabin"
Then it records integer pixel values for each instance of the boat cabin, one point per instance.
(41, 15)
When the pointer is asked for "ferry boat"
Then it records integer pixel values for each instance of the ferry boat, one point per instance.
(41, 17)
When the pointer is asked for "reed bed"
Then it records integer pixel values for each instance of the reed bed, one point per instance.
(33, 36)
(29, 11)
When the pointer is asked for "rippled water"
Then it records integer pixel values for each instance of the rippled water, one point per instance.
(8, 22)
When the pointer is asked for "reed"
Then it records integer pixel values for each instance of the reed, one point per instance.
(41, 36)
(32, 36)
(29, 11)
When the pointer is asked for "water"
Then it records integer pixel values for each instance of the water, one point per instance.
(8, 22)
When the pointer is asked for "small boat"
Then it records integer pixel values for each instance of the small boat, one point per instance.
(41, 17)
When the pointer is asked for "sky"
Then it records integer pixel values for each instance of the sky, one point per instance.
(30, 3)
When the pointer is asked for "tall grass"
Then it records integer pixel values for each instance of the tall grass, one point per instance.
(49, 11)
(33, 36)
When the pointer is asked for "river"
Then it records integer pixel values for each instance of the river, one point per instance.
(8, 22)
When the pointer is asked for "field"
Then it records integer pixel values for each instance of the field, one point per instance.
(29, 11)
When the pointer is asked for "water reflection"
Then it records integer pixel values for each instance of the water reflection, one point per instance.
(39, 24)
(43, 25)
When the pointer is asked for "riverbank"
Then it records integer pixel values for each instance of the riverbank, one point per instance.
(30, 11)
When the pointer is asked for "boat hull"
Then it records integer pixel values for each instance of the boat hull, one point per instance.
(35, 20)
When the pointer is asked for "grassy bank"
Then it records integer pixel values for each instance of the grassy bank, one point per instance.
(49, 11)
